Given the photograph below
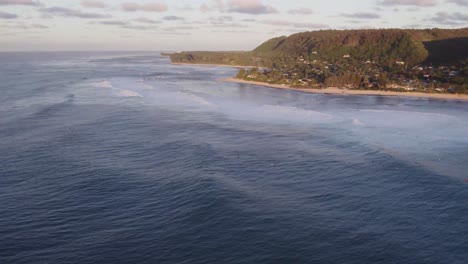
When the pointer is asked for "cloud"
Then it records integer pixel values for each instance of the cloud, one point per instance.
(456, 18)
(19, 2)
(179, 28)
(420, 3)
(173, 18)
(220, 19)
(235, 31)
(68, 12)
(229, 25)
(147, 20)
(22, 25)
(176, 30)
(215, 5)
(175, 33)
(93, 4)
(5, 15)
(459, 2)
(124, 25)
(113, 23)
(151, 7)
(301, 11)
(294, 24)
(134, 27)
(362, 15)
(252, 7)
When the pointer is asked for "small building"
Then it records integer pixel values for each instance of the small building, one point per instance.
(346, 56)
(400, 62)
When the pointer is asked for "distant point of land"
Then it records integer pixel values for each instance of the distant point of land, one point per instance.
(399, 60)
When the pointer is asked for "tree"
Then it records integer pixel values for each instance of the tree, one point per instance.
(241, 74)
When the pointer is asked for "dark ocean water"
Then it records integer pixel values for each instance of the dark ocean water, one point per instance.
(124, 158)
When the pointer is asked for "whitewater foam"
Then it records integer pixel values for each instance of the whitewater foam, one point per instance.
(291, 111)
(117, 91)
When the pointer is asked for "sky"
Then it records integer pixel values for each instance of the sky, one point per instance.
(175, 25)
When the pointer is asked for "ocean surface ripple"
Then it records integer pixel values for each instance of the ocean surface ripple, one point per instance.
(124, 158)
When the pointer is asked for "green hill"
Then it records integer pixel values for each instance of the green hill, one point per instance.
(383, 46)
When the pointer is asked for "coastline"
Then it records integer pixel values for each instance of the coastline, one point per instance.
(211, 65)
(338, 91)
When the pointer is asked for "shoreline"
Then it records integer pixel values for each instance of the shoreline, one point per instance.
(211, 65)
(338, 91)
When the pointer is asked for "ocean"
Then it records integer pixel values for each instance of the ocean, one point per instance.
(125, 158)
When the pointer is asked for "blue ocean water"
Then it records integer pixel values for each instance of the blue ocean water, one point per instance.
(124, 158)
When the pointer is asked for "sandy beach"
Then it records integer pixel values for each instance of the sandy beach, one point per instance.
(338, 91)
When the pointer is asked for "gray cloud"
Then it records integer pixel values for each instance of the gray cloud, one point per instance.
(151, 7)
(179, 28)
(235, 31)
(421, 3)
(450, 18)
(68, 12)
(301, 11)
(362, 15)
(252, 7)
(135, 27)
(124, 25)
(5, 15)
(220, 19)
(229, 25)
(459, 2)
(147, 20)
(93, 4)
(19, 2)
(22, 25)
(173, 18)
(113, 23)
(174, 33)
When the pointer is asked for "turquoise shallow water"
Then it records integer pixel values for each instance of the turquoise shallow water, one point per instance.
(124, 158)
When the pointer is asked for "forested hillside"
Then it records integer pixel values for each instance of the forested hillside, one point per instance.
(432, 60)
(383, 46)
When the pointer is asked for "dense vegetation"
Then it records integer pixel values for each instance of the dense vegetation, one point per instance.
(426, 59)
